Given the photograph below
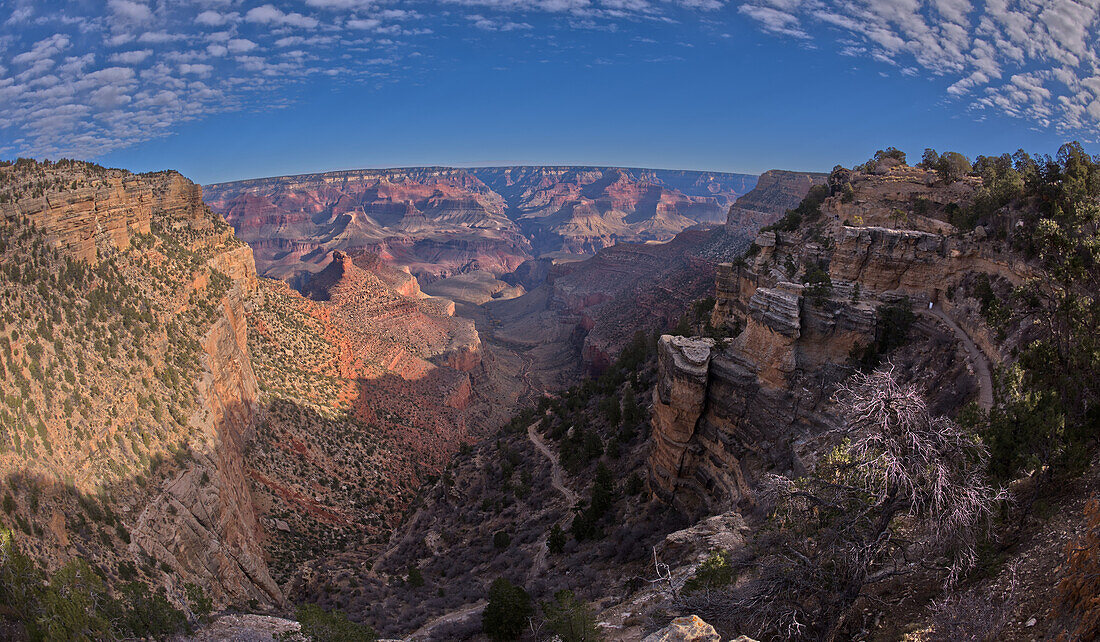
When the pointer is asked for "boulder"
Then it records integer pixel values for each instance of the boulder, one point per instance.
(685, 629)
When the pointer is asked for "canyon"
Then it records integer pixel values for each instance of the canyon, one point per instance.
(377, 391)
(439, 221)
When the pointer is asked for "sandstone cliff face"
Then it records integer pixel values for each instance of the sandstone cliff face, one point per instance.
(203, 523)
(107, 210)
(83, 220)
(776, 191)
(759, 399)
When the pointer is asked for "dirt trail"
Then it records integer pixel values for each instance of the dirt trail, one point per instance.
(557, 476)
(557, 480)
(978, 360)
(470, 610)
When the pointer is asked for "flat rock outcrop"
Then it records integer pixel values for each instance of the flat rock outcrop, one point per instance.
(690, 628)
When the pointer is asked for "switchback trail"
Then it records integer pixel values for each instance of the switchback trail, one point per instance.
(978, 359)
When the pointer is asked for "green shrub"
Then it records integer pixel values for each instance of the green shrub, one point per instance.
(149, 613)
(320, 625)
(715, 572)
(953, 166)
(818, 284)
(892, 325)
(555, 540)
(200, 604)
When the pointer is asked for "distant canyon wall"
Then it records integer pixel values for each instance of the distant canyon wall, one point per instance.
(440, 221)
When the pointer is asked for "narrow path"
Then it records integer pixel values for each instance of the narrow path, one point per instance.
(459, 615)
(978, 360)
(557, 480)
(557, 477)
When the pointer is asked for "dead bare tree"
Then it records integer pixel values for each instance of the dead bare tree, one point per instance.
(664, 574)
(835, 534)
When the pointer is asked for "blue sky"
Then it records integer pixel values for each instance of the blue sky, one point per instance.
(228, 89)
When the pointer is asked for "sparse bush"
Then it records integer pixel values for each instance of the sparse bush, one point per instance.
(571, 618)
(320, 625)
(201, 605)
(714, 573)
(892, 325)
(555, 541)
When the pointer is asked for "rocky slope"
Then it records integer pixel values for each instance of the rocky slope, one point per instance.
(130, 388)
(873, 271)
(493, 511)
(367, 393)
(174, 418)
(444, 221)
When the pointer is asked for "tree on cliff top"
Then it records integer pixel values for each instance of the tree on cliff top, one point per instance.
(834, 534)
(952, 166)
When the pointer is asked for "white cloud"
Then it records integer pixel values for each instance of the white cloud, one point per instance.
(341, 4)
(117, 72)
(1025, 58)
(157, 37)
(481, 22)
(363, 23)
(131, 57)
(241, 45)
(269, 14)
(775, 20)
(196, 69)
(130, 11)
(212, 18)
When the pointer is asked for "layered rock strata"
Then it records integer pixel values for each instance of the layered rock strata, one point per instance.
(726, 411)
(143, 309)
(439, 222)
(776, 191)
